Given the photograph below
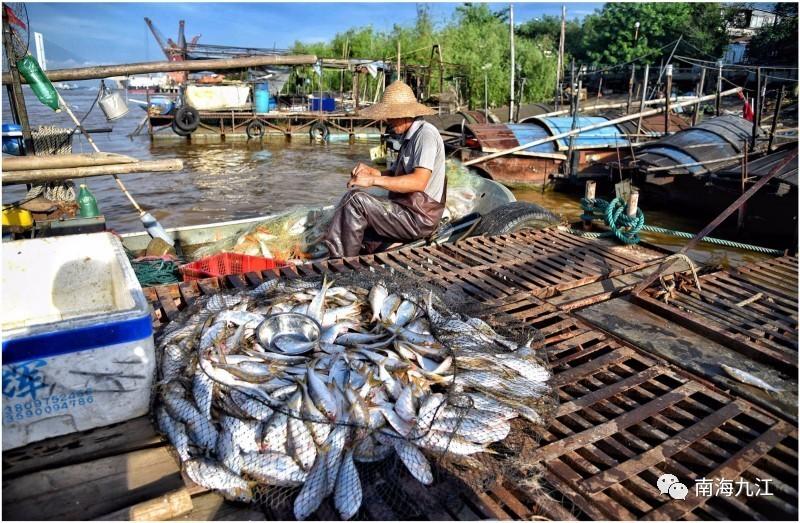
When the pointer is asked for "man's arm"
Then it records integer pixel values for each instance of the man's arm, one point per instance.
(415, 181)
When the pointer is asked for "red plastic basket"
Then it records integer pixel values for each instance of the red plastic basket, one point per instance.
(227, 263)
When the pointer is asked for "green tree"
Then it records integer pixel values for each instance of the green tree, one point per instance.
(776, 44)
(609, 36)
(550, 27)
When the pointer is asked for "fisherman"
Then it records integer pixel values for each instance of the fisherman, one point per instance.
(416, 183)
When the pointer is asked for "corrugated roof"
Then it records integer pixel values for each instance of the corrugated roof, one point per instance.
(763, 165)
(605, 137)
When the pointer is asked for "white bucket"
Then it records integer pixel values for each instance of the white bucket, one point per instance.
(113, 105)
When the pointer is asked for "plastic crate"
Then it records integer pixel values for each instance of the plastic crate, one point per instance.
(227, 263)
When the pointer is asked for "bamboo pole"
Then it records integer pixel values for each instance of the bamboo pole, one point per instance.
(105, 71)
(51, 175)
(25, 163)
(644, 100)
(699, 93)
(630, 89)
(560, 66)
(756, 110)
(668, 96)
(775, 119)
(617, 105)
(592, 127)
(511, 30)
(718, 100)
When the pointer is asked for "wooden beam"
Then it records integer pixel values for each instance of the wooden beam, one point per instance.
(106, 71)
(169, 506)
(26, 163)
(49, 175)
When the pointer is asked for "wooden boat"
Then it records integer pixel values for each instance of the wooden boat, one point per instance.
(490, 196)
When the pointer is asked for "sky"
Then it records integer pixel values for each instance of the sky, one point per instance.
(80, 34)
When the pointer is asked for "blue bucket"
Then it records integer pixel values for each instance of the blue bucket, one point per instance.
(12, 139)
(261, 98)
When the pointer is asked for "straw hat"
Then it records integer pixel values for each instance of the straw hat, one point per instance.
(398, 101)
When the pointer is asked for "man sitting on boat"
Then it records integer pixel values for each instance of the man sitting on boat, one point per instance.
(416, 183)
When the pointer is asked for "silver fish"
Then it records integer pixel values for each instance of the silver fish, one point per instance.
(377, 295)
(405, 313)
(202, 432)
(414, 460)
(175, 432)
(203, 391)
(332, 332)
(265, 288)
(348, 312)
(526, 368)
(749, 379)
(250, 406)
(311, 495)
(290, 344)
(389, 310)
(212, 476)
(173, 362)
(220, 301)
(404, 406)
(370, 451)
(317, 305)
(322, 396)
(240, 318)
(273, 468)
(177, 406)
(275, 434)
(348, 496)
(228, 452)
(316, 420)
(243, 432)
(446, 442)
(300, 443)
(333, 456)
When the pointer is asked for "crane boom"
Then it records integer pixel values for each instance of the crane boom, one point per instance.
(158, 36)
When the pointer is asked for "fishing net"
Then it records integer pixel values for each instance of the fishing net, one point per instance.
(297, 234)
(403, 394)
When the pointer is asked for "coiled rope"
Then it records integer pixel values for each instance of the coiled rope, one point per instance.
(627, 228)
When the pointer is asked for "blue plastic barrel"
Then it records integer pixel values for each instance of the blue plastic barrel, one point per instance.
(12, 139)
(261, 98)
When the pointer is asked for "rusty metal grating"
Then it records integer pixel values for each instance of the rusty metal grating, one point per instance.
(626, 418)
(752, 309)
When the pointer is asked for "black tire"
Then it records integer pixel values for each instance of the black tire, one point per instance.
(255, 130)
(319, 131)
(515, 216)
(187, 119)
(179, 131)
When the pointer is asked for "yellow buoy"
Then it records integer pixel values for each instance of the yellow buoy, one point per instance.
(16, 217)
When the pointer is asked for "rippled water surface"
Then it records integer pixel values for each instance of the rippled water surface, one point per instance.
(232, 180)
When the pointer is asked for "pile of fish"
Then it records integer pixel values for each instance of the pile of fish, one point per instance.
(379, 380)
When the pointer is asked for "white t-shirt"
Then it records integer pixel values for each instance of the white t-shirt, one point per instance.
(425, 150)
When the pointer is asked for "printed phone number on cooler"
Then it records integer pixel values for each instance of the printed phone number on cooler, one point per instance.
(49, 405)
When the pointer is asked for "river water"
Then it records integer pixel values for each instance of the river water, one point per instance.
(233, 180)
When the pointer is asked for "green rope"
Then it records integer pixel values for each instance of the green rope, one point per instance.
(155, 272)
(626, 228)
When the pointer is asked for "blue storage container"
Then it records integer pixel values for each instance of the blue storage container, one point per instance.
(261, 97)
(325, 104)
(12, 139)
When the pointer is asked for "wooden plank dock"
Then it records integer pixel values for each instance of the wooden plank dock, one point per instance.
(632, 406)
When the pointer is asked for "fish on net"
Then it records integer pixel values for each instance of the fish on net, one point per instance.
(297, 425)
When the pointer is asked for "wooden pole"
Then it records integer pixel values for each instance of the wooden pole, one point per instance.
(16, 99)
(571, 159)
(599, 91)
(59, 161)
(560, 67)
(668, 96)
(630, 89)
(718, 103)
(592, 127)
(163, 508)
(51, 175)
(105, 71)
(756, 110)
(643, 102)
(633, 203)
(716, 221)
(591, 188)
(699, 92)
(743, 208)
(775, 119)
(511, 31)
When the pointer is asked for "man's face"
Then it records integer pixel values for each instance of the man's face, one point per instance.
(399, 126)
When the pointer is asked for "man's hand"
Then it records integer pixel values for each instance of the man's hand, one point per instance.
(362, 180)
(363, 169)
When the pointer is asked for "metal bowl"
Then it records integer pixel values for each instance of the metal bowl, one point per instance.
(287, 324)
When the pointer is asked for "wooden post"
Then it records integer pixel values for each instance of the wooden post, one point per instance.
(571, 158)
(356, 87)
(775, 119)
(668, 97)
(511, 30)
(560, 67)
(599, 90)
(756, 110)
(591, 187)
(719, 90)
(698, 94)
(763, 100)
(630, 89)
(16, 99)
(641, 106)
(633, 203)
(742, 209)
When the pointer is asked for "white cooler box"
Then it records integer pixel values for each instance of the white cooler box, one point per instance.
(77, 337)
